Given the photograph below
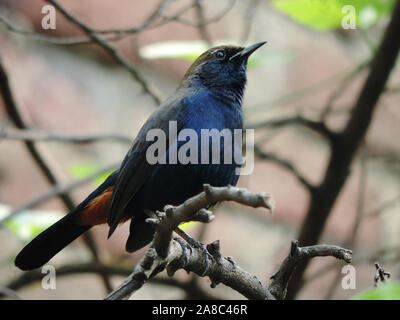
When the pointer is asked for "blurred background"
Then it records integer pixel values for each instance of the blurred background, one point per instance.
(82, 91)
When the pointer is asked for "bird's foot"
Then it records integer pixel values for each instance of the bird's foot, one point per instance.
(193, 243)
(207, 255)
(185, 248)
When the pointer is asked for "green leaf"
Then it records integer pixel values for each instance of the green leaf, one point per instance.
(387, 291)
(324, 15)
(187, 225)
(319, 15)
(82, 170)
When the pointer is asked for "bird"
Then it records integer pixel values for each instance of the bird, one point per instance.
(210, 97)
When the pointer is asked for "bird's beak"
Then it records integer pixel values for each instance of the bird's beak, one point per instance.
(246, 52)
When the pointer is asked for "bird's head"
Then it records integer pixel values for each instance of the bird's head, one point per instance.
(222, 66)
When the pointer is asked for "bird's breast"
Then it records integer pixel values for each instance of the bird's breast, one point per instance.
(207, 150)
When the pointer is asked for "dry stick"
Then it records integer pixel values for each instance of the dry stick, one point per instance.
(109, 34)
(38, 157)
(383, 207)
(146, 87)
(30, 277)
(380, 255)
(380, 274)
(45, 136)
(296, 256)
(286, 165)
(48, 136)
(318, 127)
(304, 92)
(119, 34)
(7, 292)
(202, 22)
(41, 37)
(335, 94)
(167, 253)
(248, 19)
(345, 143)
(216, 18)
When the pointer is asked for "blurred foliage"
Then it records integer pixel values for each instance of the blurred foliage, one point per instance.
(82, 170)
(190, 50)
(387, 291)
(29, 223)
(325, 15)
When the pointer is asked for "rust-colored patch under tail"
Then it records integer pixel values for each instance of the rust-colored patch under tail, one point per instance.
(97, 209)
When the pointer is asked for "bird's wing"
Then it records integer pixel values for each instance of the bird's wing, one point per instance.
(135, 169)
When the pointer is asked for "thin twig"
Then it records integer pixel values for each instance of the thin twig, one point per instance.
(6, 291)
(47, 136)
(380, 275)
(56, 191)
(281, 278)
(19, 121)
(295, 96)
(207, 21)
(316, 126)
(248, 19)
(30, 277)
(335, 94)
(146, 86)
(202, 22)
(108, 34)
(286, 165)
(383, 207)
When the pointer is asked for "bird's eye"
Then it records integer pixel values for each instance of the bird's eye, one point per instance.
(220, 54)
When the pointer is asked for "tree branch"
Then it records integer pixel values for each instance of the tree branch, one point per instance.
(46, 136)
(317, 126)
(345, 144)
(380, 275)
(57, 190)
(170, 254)
(17, 118)
(30, 277)
(108, 34)
(146, 87)
(281, 279)
(286, 165)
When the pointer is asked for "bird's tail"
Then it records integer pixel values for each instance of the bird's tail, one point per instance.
(90, 212)
(47, 244)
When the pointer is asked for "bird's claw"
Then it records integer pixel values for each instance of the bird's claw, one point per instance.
(185, 248)
(189, 245)
(192, 243)
(207, 255)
